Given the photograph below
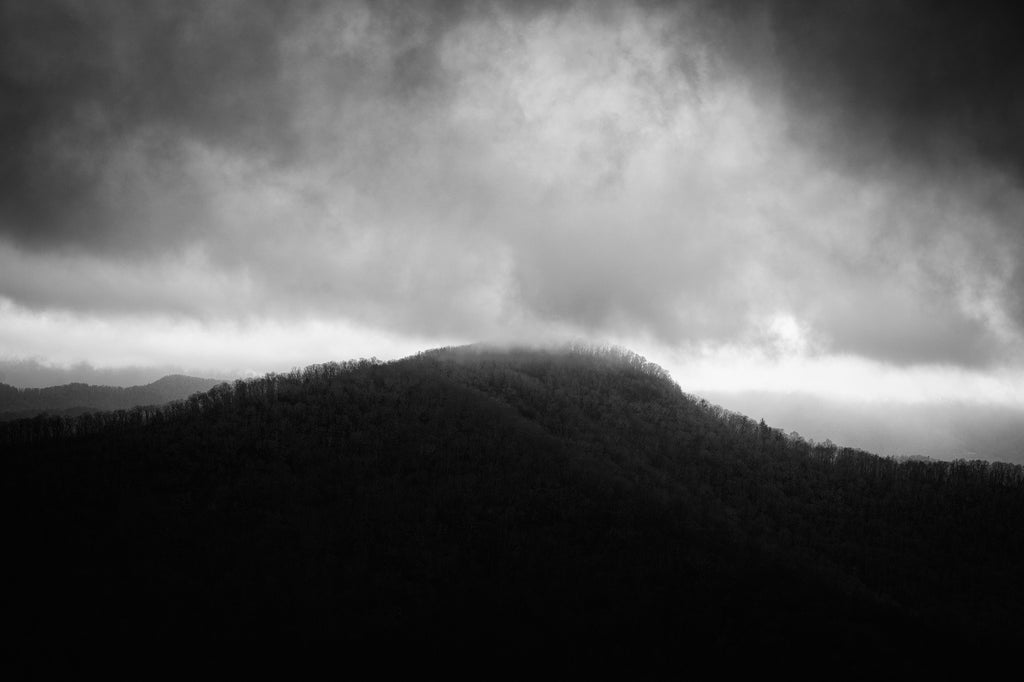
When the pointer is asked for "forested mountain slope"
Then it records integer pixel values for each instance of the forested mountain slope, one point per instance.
(570, 502)
(939, 430)
(75, 399)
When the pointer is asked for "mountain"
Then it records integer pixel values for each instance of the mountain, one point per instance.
(78, 398)
(473, 503)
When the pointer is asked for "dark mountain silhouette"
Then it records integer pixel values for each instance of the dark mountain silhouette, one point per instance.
(77, 398)
(569, 504)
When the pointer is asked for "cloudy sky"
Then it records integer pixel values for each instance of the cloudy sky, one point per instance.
(760, 196)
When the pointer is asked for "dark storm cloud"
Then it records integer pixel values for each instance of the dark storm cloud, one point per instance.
(934, 80)
(687, 171)
(909, 87)
(80, 81)
(83, 85)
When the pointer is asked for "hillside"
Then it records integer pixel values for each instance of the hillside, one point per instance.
(572, 503)
(939, 429)
(77, 398)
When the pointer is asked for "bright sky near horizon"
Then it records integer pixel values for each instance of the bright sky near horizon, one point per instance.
(755, 195)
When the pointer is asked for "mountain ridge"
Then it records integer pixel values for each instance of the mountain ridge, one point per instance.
(562, 500)
(77, 398)
(941, 429)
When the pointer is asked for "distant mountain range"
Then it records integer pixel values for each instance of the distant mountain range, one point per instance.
(77, 398)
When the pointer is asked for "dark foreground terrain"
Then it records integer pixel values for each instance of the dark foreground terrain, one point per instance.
(570, 505)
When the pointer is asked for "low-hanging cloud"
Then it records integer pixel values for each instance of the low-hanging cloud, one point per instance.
(480, 169)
